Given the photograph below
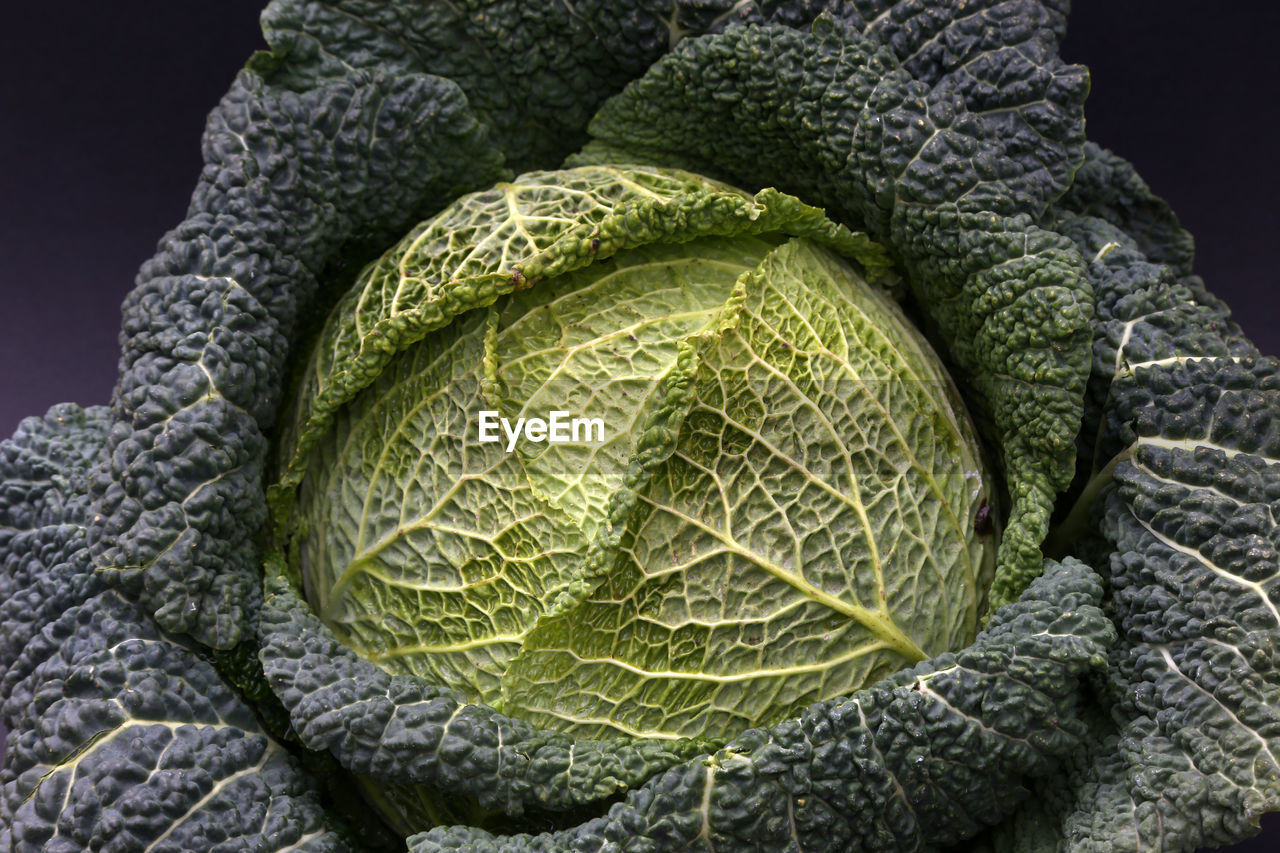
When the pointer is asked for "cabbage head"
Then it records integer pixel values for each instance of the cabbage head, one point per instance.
(769, 499)
(869, 469)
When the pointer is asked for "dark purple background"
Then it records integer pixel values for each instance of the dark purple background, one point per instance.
(102, 107)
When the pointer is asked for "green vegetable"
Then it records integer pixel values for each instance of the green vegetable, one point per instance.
(1119, 696)
(782, 511)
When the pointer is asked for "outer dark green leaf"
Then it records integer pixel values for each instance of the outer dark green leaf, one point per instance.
(1106, 187)
(120, 739)
(533, 72)
(536, 72)
(1148, 307)
(126, 741)
(43, 479)
(1182, 502)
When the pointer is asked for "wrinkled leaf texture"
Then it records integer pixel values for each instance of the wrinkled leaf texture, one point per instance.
(949, 130)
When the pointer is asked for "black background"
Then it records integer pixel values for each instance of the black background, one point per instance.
(102, 106)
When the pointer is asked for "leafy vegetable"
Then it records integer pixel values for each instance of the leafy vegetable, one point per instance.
(733, 369)
(1122, 698)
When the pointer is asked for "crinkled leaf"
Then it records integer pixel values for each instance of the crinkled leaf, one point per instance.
(494, 242)
(120, 738)
(206, 331)
(950, 193)
(44, 471)
(534, 73)
(812, 515)
(399, 729)
(923, 759)
(125, 739)
(1180, 497)
(1107, 187)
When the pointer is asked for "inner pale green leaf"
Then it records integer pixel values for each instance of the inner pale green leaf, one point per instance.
(810, 532)
(598, 342)
(433, 553)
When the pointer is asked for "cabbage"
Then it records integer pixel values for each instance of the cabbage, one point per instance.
(191, 664)
(776, 506)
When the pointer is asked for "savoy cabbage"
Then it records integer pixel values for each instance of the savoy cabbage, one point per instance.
(177, 676)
